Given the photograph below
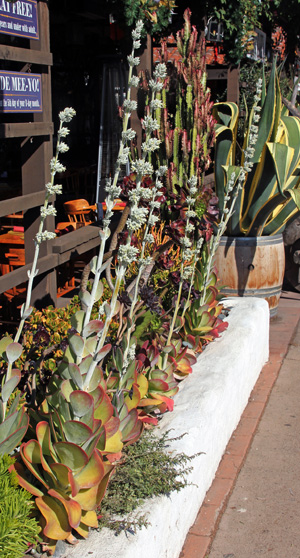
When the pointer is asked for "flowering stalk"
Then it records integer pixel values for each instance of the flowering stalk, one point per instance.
(112, 188)
(187, 252)
(234, 187)
(138, 215)
(55, 166)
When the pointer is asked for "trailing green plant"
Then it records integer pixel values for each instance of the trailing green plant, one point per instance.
(265, 187)
(18, 529)
(146, 469)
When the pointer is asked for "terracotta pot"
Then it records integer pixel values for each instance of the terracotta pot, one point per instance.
(252, 266)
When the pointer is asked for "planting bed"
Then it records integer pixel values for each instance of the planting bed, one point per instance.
(207, 407)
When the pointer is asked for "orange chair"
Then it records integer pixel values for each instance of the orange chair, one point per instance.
(80, 212)
(15, 258)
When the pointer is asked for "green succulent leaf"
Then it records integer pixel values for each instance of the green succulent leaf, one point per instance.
(77, 432)
(4, 342)
(76, 343)
(10, 385)
(81, 403)
(75, 374)
(13, 352)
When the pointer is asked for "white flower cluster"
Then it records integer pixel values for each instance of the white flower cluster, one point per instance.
(155, 85)
(127, 254)
(128, 135)
(123, 157)
(162, 170)
(137, 219)
(190, 213)
(187, 272)
(153, 219)
(192, 182)
(50, 210)
(45, 235)
(129, 105)
(133, 60)
(141, 167)
(53, 188)
(150, 145)
(156, 104)
(143, 262)
(154, 204)
(150, 124)
(185, 242)
(136, 44)
(56, 166)
(63, 132)
(67, 114)
(149, 238)
(113, 191)
(136, 33)
(62, 147)
(145, 193)
(160, 71)
(134, 81)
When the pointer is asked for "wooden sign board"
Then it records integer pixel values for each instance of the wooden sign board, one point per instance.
(20, 92)
(19, 18)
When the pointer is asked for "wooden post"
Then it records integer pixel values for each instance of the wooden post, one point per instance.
(36, 155)
(233, 90)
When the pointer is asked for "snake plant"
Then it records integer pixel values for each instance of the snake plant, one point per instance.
(268, 179)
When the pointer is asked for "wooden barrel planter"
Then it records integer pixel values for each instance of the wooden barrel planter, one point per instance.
(252, 266)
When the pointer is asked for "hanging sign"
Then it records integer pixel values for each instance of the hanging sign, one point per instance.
(20, 92)
(19, 18)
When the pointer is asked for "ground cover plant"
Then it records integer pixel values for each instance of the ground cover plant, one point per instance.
(116, 368)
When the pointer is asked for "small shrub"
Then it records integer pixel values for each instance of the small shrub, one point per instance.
(147, 468)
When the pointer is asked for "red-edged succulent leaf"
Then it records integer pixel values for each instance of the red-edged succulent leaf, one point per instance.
(76, 343)
(9, 386)
(75, 374)
(13, 352)
(103, 352)
(72, 507)
(93, 327)
(81, 402)
(92, 473)
(57, 525)
(133, 398)
(64, 478)
(19, 470)
(131, 427)
(77, 432)
(103, 407)
(71, 455)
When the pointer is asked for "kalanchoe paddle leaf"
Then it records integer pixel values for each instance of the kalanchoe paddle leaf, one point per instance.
(13, 352)
(81, 403)
(76, 343)
(9, 386)
(75, 374)
(95, 326)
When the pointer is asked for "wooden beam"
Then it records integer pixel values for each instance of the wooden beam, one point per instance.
(213, 73)
(76, 240)
(25, 129)
(20, 275)
(25, 55)
(21, 203)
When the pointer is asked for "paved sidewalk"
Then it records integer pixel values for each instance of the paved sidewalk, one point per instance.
(252, 507)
